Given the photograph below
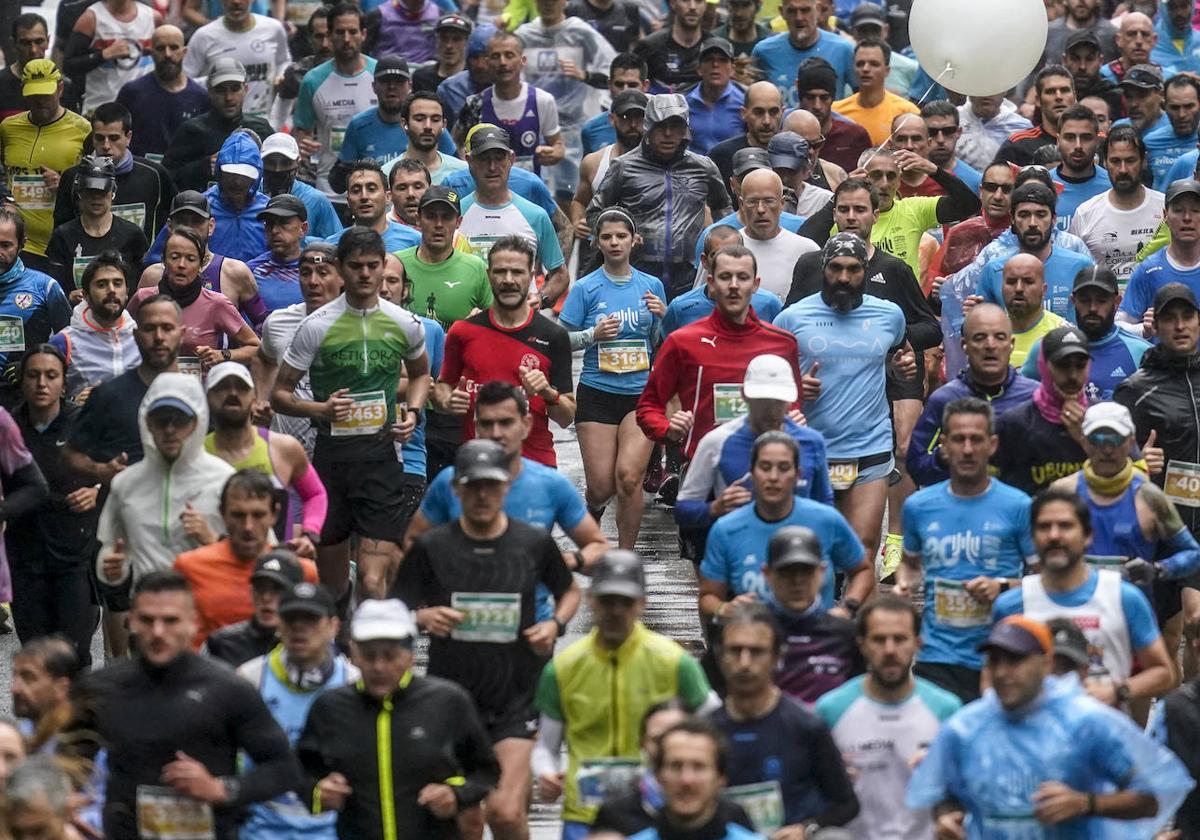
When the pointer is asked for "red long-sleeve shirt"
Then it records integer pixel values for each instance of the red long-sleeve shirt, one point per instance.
(695, 359)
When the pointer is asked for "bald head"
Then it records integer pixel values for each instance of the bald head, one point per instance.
(803, 123)
(761, 112)
(763, 93)
(1024, 289)
(718, 238)
(166, 33)
(761, 182)
(169, 49)
(1136, 38)
(987, 340)
(762, 204)
(985, 316)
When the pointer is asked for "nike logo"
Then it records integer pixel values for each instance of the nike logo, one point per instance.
(450, 284)
(60, 443)
(712, 341)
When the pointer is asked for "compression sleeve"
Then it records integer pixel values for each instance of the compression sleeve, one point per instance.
(81, 59)
(1183, 555)
(959, 202)
(313, 500)
(256, 311)
(547, 747)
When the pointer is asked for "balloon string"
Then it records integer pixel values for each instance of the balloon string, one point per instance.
(949, 69)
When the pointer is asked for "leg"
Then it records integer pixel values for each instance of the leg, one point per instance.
(116, 633)
(507, 805)
(633, 451)
(905, 414)
(333, 566)
(598, 446)
(862, 505)
(74, 610)
(33, 594)
(376, 559)
(1191, 629)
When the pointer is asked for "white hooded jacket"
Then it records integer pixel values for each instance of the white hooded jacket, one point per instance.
(96, 354)
(146, 500)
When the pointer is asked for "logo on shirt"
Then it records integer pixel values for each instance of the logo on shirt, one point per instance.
(530, 361)
(1119, 371)
(528, 138)
(878, 278)
(450, 284)
(712, 341)
(23, 300)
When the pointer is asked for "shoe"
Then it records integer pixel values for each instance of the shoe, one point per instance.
(668, 490)
(654, 477)
(893, 555)
(6, 625)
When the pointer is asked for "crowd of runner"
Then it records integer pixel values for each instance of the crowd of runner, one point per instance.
(291, 297)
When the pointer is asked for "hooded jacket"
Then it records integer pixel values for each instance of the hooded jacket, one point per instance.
(188, 158)
(146, 500)
(94, 353)
(1165, 54)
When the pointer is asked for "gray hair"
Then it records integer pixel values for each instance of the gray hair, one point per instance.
(37, 777)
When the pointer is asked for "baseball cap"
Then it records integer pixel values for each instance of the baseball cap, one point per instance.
(1064, 341)
(716, 44)
(1083, 36)
(284, 206)
(1145, 76)
(281, 144)
(392, 65)
(191, 201)
(383, 619)
(619, 572)
(1098, 277)
(844, 244)
(477, 43)
(480, 460)
(1184, 186)
(170, 402)
(246, 170)
(226, 69)
(664, 106)
(438, 194)
(40, 77)
(1020, 635)
(307, 599)
(96, 172)
(1171, 293)
(1108, 415)
(1071, 644)
(748, 159)
(487, 137)
(279, 566)
(453, 21)
(788, 150)
(769, 377)
(816, 74)
(793, 545)
(1035, 192)
(629, 100)
(867, 14)
(223, 371)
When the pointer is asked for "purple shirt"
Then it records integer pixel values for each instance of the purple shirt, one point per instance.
(13, 457)
(406, 34)
(159, 113)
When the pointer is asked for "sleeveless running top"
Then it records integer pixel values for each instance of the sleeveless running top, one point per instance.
(210, 275)
(602, 169)
(260, 459)
(1116, 532)
(524, 132)
(104, 82)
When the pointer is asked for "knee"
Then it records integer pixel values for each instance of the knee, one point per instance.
(506, 815)
(629, 482)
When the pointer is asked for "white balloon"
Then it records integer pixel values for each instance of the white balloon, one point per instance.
(978, 47)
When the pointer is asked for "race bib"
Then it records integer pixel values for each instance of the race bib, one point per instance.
(299, 11)
(955, 607)
(623, 356)
(12, 334)
(843, 474)
(31, 192)
(602, 777)
(135, 213)
(727, 402)
(1182, 484)
(763, 802)
(1013, 827)
(151, 156)
(1097, 561)
(162, 814)
(191, 366)
(367, 416)
(487, 616)
(336, 136)
(77, 267)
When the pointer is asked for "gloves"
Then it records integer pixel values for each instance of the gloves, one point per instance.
(1141, 571)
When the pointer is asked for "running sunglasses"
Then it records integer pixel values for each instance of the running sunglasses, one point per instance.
(1106, 438)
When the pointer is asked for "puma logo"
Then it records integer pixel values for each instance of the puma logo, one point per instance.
(712, 341)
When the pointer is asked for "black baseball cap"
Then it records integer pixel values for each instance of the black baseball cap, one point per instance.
(280, 566)
(1071, 644)
(284, 206)
(1173, 293)
(191, 201)
(1097, 277)
(307, 599)
(1062, 342)
(392, 65)
(748, 159)
(1035, 192)
(628, 100)
(454, 21)
(716, 44)
(439, 194)
(1145, 76)
(793, 545)
(619, 572)
(489, 137)
(1083, 36)
(480, 460)
(1184, 186)
(868, 14)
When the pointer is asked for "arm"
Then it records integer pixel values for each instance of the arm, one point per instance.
(256, 733)
(245, 288)
(247, 342)
(417, 392)
(718, 196)
(590, 539)
(712, 598)
(314, 501)
(860, 583)
(958, 203)
(565, 232)
(924, 459)
(557, 280)
(1178, 549)
(583, 196)
(1155, 679)
(284, 400)
(24, 490)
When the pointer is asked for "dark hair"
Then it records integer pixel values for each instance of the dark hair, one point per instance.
(754, 613)
(497, 392)
(111, 112)
(854, 185)
(1183, 80)
(361, 239)
(319, 13)
(421, 94)
(407, 165)
(7, 214)
(1054, 494)
(939, 108)
(162, 580)
(737, 252)
(775, 436)
(876, 43)
(1081, 113)
(366, 165)
(249, 482)
(505, 35)
(28, 20)
(191, 235)
(671, 704)
(1123, 134)
(105, 259)
(1052, 70)
(517, 245)
(698, 726)
(42, 350)
(994, 164)
(968, 405)
(57, 655)
(156, 299)
(628, 61)
(886, 602)
(345, 8)
(722, 231)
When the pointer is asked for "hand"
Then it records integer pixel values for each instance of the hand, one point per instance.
(736, 601)
(810, 385)
(790, 832)
(338, 406)
(335, 790)
(655, 304)
(261, 413)
(571, 70)
(303, 547)
(581, 228)
(1072, 417)
(439, 621)
(83, 395)
(607, 328)
(912, 162)
(83, 499)
(460, 398)
(114, 562)
(439, 799)
(546, 155)
(550, 786)
(679, 425)
(949, 826)
(1155, 458)
(106, 471)
(904, 586)
(533, 381)
(191, 778)
(117, 49)
(935, 287)
(731, 498)
(797, 417)
(905, 361)
(1054, 802)
(195, 525)
(983, 589)
(50, 178)
(541, 637)
(970, 302)
(309, 146)
(1148, 323)
(75, 296)
(1142, 571)
(209, 356)
(403, 430)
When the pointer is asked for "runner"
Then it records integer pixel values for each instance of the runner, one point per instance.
(109, 46)
(1024, 290)
(1167, 143)
(776, 250)
(969, 538)
(1081, 179)
(874, 107)
(1054, 89)
(481, 616)
(781, 57)
(274, 575)
(277, 270)
(624, 308)
(1179, 262)
(672, 52)
(367, 197)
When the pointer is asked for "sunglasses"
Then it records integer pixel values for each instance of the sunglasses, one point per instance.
(1106, 438)
(992, 186)
(945, 131)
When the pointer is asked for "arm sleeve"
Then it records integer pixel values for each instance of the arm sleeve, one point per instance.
(304, 117)
(560, 363)
(693, 685)
(61, 267)
(1182, 554)
(194, 64)
(313, 500)
(303, 349)
(80, 58)
(229, 320)
(912, 537)
(547, 114)
(713, 567)
(548, 746)
(436, 505)
(1139, 616)
(275, 770)
(570, 510)
(185, 159)
(25, 489)
(574, 312)
(660, 387)
(64, 209)
(311, 755)
(718, 194)
(958, 203)
(988, 287)
(408, 586)
(934, 779)
(841, 804)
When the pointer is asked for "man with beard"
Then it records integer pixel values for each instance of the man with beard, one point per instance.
(672, 54)
(1081, 179)
(1135, 39)
(1116, 353)
(941, 124)
(626, 72)
(164, 99)
(320, 44)
(882, 721)
(1165, 144)
(1179, 262)
(627, 116)
(1055, 94)
(1033, 211)
(1023, 286)
(423, 116)
(1116, 224)
(1083, 58)
(1116, 617)
(817, 87)
(1142, 88)
(367, 196)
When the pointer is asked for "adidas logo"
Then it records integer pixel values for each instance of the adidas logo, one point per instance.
(878, 278)
(602, 305)
(1119, 371)
(529, 114)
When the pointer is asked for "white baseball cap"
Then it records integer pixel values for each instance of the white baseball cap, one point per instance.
(382, 619)
(281, 144)
(1108, 415)
(246, 170)
(769, 378)
(223, 371)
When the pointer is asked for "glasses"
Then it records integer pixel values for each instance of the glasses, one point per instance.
(1106, 438)
(946, 131)
(818, 143)
(992, 186)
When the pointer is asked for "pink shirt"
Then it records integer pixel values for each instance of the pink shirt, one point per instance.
(209, 318)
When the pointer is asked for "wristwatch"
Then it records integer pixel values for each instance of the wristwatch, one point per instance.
(851, 605)
(1122, 692)
(227, 354)
(562, 626)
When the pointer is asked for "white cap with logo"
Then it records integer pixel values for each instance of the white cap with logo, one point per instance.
(769, 378)
(1108, 415)
(223, 371)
